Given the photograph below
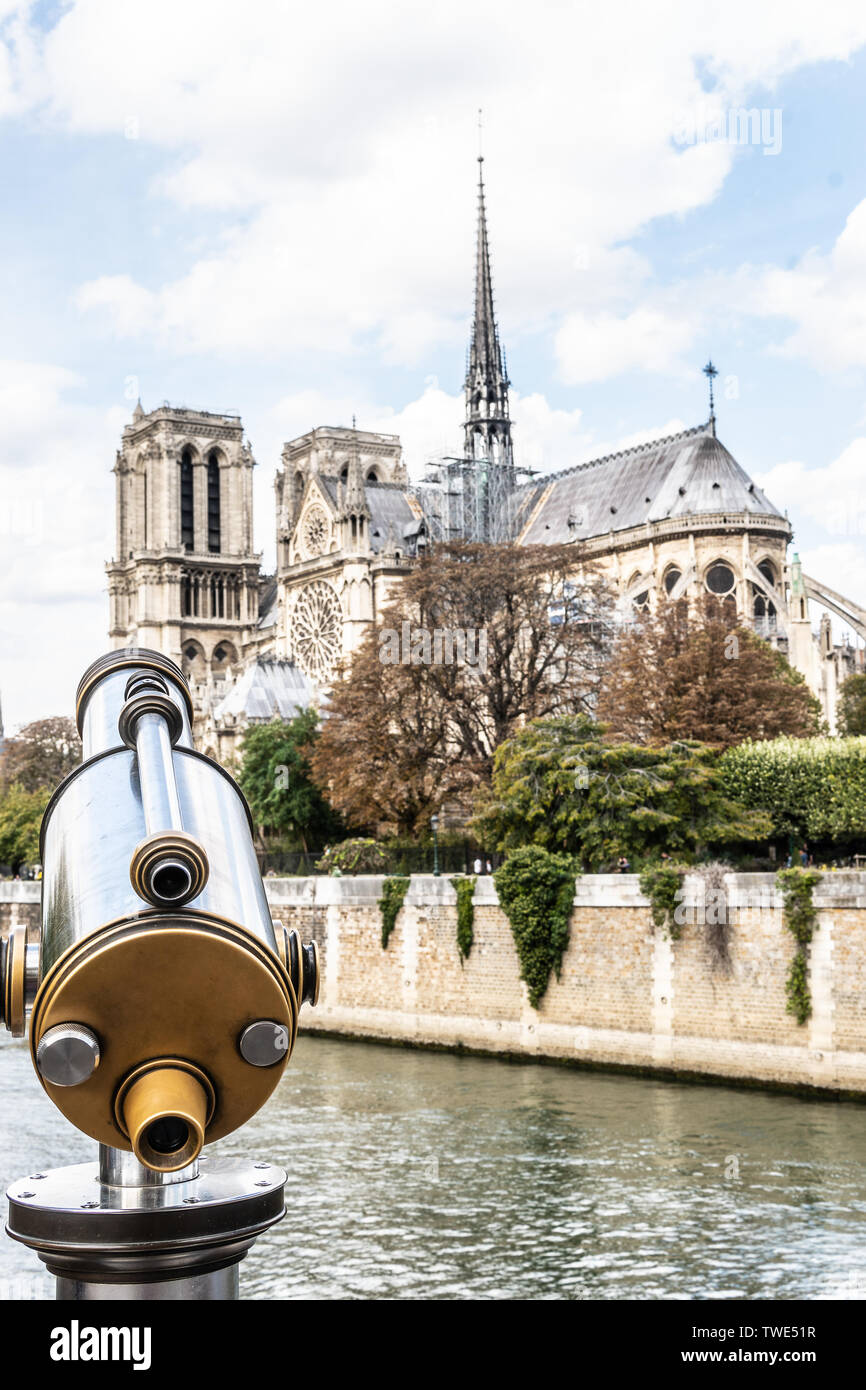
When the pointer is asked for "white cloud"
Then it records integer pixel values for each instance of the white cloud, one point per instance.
(825, 296)
(596, 347)
(328, 151)
(56, 532)
(841, 566)
(832, 498)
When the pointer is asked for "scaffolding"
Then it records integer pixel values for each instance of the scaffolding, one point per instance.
(471, 499)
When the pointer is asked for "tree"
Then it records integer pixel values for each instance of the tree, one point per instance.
(21, 814)
(480, 639)
(276, 779)
(41, 755)
(851, 710)
(814, 788)
(698, 673)
(560, 784)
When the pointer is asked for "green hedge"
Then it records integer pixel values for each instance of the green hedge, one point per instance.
(813, 787)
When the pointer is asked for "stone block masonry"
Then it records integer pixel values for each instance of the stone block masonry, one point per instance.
(628, 997)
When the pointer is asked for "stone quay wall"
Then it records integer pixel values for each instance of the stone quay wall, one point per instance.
(628, 996)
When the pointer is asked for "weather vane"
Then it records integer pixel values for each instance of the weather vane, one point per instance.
(710, 372)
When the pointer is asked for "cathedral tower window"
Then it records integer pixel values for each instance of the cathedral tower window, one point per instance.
(186, 507)
(213, 503)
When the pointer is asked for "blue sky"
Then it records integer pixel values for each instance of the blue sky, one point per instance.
(272, 211)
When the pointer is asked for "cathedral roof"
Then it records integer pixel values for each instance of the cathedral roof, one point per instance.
(681, 475)
(391, 511)
(268, 602)
(267, 689)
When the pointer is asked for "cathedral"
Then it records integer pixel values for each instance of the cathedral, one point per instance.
(662, 520)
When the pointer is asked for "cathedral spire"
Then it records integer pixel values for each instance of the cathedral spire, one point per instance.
(487, 428)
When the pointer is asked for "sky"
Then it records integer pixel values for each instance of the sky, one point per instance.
(269, 209)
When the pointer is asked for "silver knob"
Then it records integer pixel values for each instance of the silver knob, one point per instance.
(67, 1054)
(264, 1042)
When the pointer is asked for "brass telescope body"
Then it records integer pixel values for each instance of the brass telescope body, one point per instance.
(157, 938)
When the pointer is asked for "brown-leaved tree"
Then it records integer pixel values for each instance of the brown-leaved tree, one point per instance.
(698, 673)
(480, 639)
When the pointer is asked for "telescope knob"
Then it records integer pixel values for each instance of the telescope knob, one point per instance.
(13, 981)
(302, 963)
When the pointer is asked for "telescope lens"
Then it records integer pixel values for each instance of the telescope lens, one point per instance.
(168, 1134)
(171, 881)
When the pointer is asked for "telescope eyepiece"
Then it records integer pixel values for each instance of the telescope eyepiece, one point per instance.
(165, 1109)
(167, 1135)
(170, 882)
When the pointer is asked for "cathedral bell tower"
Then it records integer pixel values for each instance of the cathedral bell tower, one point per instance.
(185, 578)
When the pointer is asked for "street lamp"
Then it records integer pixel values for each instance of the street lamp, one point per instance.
(434, 822)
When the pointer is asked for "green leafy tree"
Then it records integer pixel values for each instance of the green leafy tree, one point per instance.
(275, 777)
(813, 787)
(21, 814)
(851, 712)
(559, 783)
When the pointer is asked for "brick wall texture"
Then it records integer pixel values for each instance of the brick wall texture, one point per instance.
(628, 996)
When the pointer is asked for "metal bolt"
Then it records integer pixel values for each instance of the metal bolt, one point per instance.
(263, 1182)
(90, 1204)
(264, 1043)
(26, 1194)
(34, 1177)
(261, 1165)
(191, 1201)
(67, 1054)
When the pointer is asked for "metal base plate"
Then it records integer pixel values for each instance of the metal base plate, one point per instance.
(87, 1231)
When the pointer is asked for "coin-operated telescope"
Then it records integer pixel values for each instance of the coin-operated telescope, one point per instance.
(162, 1001)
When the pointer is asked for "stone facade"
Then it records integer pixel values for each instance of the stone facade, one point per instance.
(185, 580)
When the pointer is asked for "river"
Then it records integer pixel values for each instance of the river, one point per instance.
(417, 1174)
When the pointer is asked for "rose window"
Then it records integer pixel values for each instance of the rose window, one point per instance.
(315, 532)
(317, 630)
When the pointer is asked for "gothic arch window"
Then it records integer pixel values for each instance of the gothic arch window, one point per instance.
(763, 607)
(217, 596)
(344, 475)
(372, 476)
(673, 575)
(639, 601)
(194, 664)
(186, 505)
(213, 502)
(224, 656)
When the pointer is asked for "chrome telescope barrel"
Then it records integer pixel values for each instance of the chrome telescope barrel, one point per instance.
(167, 1003)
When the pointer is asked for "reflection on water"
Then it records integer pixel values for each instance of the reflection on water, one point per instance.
(416, 1174)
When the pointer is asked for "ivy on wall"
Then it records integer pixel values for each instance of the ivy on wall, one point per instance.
(801, 918)
(536, 891)
(465, 890)
(662, 884)
(393, 892)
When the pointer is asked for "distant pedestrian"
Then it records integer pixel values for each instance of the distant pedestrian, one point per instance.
(478, 867)
(489, 867)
